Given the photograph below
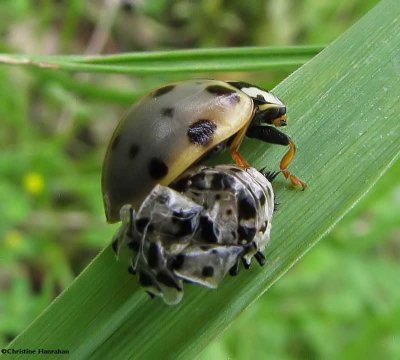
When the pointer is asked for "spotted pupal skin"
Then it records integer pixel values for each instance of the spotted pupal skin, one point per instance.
(167, 132)
(198, 229)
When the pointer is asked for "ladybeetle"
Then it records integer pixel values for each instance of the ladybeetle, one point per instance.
(173, 127)
(199, 229)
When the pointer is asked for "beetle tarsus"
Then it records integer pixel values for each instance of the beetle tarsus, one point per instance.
(286, 160)
(294, 179)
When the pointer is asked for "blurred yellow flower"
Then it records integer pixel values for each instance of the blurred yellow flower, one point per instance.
(33, 183)
(13, 239)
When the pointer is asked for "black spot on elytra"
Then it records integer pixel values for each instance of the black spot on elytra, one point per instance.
(246, 233)
(228, 211)
(161, 91)
(201, 132)
(231, 94)
(133, 151)
(208, 231)
(178, 261)
(115, 142)
(246, 207)
(157, 168)
(208, 271)
(220, 90)
(141, 224)
(168, 280)
(240, 84)
(217, 197)
(153, 255)
(168, 112)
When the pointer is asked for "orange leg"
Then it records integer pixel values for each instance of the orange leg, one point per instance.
(286, 160)
(239, 159)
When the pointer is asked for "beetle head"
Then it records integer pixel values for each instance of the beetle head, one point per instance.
(269, 109)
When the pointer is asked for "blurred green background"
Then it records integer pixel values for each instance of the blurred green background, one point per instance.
(54, 129)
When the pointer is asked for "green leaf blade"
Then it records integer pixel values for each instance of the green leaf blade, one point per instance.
(343, 116)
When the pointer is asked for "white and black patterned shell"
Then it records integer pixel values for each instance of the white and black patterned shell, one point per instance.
(199, 229)
(167, 132)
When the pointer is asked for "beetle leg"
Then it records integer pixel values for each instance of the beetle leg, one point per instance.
(124, 235)
(239, 159)
(234, 270)
(286, 160)
(272, 135)
(259, 256)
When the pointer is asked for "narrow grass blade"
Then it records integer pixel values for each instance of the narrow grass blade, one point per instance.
(178, 61)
